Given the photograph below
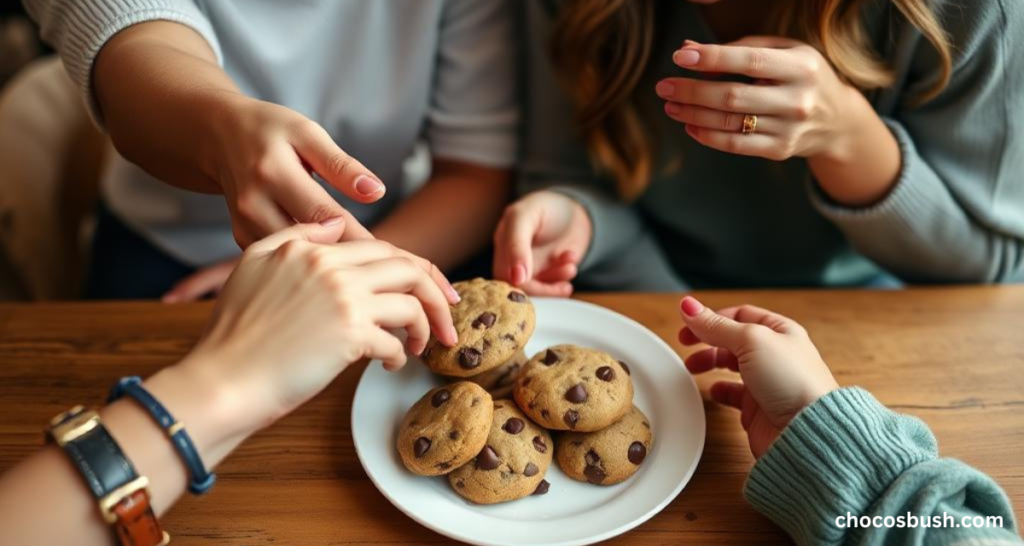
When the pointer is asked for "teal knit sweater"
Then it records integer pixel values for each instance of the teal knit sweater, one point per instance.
(848, 455)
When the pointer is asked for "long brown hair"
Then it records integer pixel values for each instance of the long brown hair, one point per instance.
(600, 49)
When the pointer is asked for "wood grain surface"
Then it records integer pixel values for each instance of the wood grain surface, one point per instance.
(952, 356)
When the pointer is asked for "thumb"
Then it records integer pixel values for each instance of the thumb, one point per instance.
(344, 172)
(326, 232)
(710, 327)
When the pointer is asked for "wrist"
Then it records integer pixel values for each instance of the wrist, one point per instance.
(211, 410)
(860, 161)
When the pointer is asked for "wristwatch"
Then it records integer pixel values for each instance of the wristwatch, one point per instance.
(122, 495)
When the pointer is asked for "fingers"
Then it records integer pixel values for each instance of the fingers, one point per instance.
(735, 97)
(728, 393)
(751, 314)
(559, 273)
(553, 290)
(328, 231)
(711, 358)
(335, 166)
(513, 256)
(403, 311)
(402, 275)
(757, 144)
(255, 217)
(712, 328)
(718, 120)
(383, 346)
(300, 195)
(687, 337)
(751, 58)
(206, 281)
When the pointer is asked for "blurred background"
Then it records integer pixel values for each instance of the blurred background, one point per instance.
(50, 161)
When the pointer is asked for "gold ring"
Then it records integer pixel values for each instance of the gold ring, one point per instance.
(749, 124)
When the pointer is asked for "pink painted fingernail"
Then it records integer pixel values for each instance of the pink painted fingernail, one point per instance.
(368, 186)
(332, 221)
(686, 57)
(454, 334)
(673, 109)
(665, 89)
(690, 306)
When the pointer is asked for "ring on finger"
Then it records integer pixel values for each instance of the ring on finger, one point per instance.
(749, 124)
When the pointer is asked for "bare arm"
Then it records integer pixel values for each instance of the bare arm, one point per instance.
(453, 216)
(149, 80)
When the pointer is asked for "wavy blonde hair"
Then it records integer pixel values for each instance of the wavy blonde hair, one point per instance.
(601, 48)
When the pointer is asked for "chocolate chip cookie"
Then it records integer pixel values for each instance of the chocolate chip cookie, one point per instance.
(512, 464)
(607, 456)
(499, 381)
(445, 429)
(566, 387)
(493, 320)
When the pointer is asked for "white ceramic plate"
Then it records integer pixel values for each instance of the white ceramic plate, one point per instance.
(572, 513)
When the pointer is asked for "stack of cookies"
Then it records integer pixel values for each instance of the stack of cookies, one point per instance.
(495, 450)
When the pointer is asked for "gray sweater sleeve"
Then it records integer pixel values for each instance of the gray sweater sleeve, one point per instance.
(957, 210)
(78, 29)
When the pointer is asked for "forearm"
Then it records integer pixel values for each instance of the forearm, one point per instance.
(452, 217)
(151, 81)
(861, 166)
(47, 486)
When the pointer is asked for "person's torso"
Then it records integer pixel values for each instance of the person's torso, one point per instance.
(363, 69)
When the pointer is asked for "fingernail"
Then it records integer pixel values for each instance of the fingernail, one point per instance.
(454, 334)
(686, 57)
(665, 89)
(690, 306)
(170, 298)
(673, 109)
(453, 293)
(368, 186)
(519, 276)
(332, 221)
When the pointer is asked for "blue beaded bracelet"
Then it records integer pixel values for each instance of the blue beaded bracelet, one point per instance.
(200, 481)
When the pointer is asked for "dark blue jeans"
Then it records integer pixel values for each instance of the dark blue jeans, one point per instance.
(125, 266)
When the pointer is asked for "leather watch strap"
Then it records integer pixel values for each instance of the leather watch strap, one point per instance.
(123, 496)
(136, 522)
(99, 459)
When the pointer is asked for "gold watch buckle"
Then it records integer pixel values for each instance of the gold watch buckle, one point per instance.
(73, 424)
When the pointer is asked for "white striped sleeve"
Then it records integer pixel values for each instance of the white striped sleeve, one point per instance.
(78, 29)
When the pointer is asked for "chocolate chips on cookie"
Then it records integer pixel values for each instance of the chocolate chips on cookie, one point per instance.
(445, 429)
(510, 466)
(493, 320)
(607, 456)
(567, 387)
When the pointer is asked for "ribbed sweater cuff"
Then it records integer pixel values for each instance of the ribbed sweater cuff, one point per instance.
(90, 24)
(614, 224)
(913, 202)
(837, 456)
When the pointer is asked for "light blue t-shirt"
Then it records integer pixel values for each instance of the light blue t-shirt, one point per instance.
(379, 76)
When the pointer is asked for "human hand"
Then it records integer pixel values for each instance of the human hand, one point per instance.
(803, 108)
(539, 243)
(781, 369)
(298, 310)
(205, 282)
(263, 158)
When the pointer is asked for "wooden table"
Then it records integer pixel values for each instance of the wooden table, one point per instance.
(954, 357)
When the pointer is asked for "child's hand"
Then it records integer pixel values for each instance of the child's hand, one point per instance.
(298, 310)
(781, 369)
(264, 157)
(539, 243)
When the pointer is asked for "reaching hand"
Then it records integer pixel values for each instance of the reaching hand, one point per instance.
(781, 369)
(299, 309)
(539, 243)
